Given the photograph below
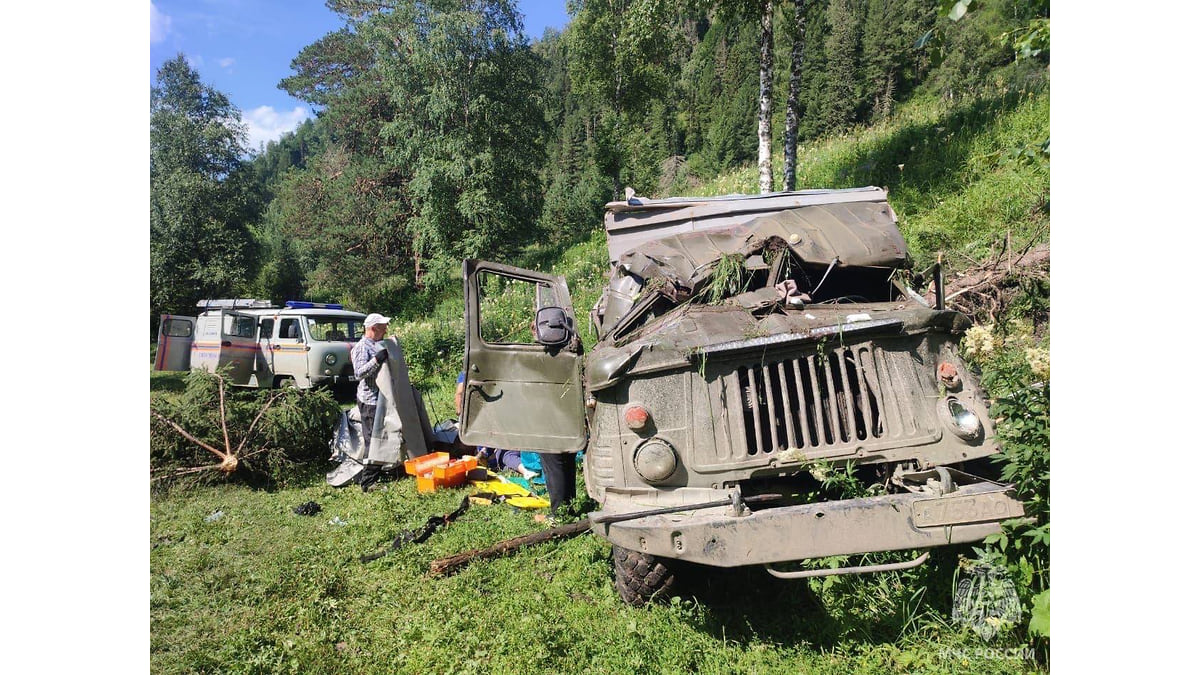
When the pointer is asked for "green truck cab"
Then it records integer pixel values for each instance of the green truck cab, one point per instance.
(745, 342)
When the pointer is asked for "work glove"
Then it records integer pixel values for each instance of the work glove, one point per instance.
(381, 356)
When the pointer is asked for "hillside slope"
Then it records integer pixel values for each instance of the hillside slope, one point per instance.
(963, 177)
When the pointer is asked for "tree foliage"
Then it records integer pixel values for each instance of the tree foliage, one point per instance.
(433, 115)
(202, 196)
(442, 134)
(270, 434)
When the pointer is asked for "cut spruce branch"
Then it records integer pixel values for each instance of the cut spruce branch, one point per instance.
(250, 431)
(228, 459)
(183, 472)
(448, 565)
(224, 426)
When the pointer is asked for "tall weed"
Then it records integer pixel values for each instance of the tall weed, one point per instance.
(1015, 369)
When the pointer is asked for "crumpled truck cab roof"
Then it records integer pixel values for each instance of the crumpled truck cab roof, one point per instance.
(671, 248)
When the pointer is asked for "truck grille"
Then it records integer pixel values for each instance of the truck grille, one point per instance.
(848, 396)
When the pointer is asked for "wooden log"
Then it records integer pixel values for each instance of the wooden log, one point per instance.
(447, 565)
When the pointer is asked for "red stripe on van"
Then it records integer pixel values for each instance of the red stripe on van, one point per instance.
(160, 358)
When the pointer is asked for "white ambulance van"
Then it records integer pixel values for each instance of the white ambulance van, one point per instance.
(302, 344)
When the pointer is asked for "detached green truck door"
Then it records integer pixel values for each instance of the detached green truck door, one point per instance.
(520, 394)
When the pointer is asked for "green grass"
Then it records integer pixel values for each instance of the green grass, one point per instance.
(960, 177)
(264, 590)
(167, 384)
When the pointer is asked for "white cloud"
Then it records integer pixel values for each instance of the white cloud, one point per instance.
(225, 62)
(264, 123)
(160, 25)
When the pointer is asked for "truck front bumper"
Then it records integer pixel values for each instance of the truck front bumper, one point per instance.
(890, 522)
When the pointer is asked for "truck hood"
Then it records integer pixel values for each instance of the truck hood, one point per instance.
(693, 331)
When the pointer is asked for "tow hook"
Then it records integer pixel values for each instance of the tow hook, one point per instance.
(737, 506)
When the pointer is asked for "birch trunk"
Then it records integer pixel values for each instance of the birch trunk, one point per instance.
(766, 67)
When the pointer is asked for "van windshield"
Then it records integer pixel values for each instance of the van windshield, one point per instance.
(332, 329)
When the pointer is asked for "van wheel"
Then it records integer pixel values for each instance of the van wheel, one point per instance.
(641, 577)
(285, 383)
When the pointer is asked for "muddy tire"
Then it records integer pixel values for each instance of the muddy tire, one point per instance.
(641, 577)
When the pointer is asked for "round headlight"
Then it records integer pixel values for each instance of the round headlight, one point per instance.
(331, 358)
(655, 460)
(962, 421)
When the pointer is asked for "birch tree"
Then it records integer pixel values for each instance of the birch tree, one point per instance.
(766, 70)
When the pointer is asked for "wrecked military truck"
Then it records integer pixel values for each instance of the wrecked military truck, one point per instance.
(745, 343)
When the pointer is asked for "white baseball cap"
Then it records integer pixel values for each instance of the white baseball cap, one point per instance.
(373, 319)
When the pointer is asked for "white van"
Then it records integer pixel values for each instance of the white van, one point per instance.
(301, 344)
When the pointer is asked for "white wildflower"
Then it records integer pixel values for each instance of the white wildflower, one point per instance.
(1039, 362)
(1019, 332)
(818, 471)
(979, 341)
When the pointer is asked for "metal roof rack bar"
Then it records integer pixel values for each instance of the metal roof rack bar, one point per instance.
(235, 303)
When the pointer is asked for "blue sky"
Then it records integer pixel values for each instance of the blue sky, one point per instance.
(245, 47)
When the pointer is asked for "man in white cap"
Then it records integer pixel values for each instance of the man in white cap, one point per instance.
(367, 356)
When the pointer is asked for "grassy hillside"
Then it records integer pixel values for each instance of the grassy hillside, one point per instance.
(260, 589)
(962, 179)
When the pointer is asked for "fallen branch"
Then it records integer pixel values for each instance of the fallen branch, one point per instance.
(448, 565)
(183, 472)
(225, 457)
(419, 536)
(224, 427)
(987, 279)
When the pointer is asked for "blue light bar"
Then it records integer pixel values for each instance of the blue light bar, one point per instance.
(303, 304)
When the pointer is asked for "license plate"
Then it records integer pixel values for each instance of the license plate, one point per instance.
(955, 510)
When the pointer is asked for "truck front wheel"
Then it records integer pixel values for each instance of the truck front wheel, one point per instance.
(641, 577)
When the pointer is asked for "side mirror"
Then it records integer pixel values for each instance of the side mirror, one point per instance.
(552, 327)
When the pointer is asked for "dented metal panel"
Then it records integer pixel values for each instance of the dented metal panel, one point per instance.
(629, 224)
(847, 527)
(854, 234)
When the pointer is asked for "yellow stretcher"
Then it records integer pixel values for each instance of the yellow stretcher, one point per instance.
(514, 494)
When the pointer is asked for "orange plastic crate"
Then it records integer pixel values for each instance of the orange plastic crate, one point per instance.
(454, 473)
(425, 463)
(451, 474)
(425, 484)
